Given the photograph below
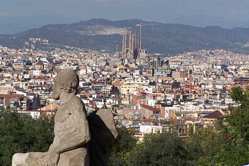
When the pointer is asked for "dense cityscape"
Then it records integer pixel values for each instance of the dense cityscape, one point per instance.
(147, 93)
(124, 83)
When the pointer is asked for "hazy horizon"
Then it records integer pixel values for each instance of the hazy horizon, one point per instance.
(17, 16)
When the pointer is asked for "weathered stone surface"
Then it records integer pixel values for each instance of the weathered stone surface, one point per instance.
(108, 119)
(71, 129)
(103, 135)
(72, 132)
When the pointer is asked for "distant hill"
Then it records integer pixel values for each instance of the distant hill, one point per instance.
(157, 37)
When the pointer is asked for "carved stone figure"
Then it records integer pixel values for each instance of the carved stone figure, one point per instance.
(103, 136)
(71, 129)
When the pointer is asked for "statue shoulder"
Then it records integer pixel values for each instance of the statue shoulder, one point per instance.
(75, 100)
(76, 103)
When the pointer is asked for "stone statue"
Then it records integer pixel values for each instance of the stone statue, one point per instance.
(103, 136)
(71, 129)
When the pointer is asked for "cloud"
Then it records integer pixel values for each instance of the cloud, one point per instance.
(110, 2)
(173, 11)
(4, 14)
(103, 1)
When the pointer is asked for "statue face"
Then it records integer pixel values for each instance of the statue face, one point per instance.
(66, 81)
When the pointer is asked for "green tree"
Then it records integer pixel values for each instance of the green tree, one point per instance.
(124, 144)
(238, 121)
(163, 150)
(235, 146)
(209, 142)
(229, 144)
(21, 133)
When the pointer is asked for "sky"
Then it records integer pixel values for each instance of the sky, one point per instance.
(20, 15)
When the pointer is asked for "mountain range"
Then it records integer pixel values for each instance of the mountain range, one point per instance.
(102, 34)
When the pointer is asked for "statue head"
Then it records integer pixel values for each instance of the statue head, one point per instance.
(66, 81)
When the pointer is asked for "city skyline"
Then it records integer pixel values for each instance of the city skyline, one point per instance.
(17, 16)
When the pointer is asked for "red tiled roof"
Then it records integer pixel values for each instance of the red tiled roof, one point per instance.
(49, 108)
(214, 115)
(9, 97)
(153, 109)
